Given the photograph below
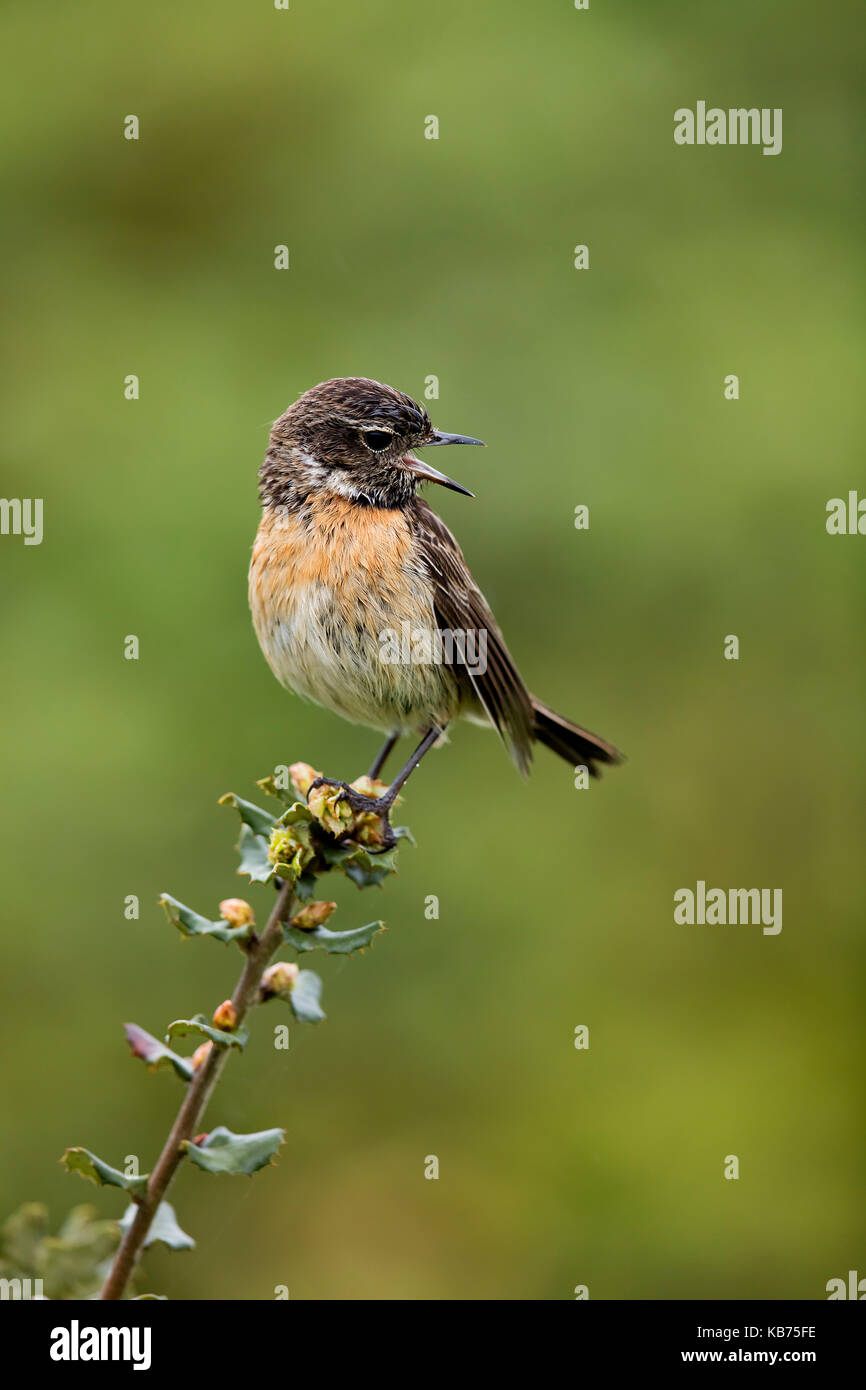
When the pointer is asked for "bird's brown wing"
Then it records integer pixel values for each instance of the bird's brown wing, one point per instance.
(460, 606)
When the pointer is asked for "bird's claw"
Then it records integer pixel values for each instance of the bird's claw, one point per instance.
(365, 805)
(357, 800)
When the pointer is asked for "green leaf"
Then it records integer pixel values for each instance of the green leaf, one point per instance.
(335, 855)
(284, 794)
(337, 943)
(305, 887)
(370, 870)
(259, 821)
(192, 924)
(224, 1152)
(365, 869)
(163, 1227)
(155, 1054)
(297, 814)
(368, 873)
(89, 1166)
(254, 858)
(304, 997)
(199, 1027)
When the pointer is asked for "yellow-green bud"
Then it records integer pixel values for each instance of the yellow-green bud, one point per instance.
(226, 1016)
(288, 845)
(313, 915)
(279, 979)
(303, 776)
(331, 809)
(368, 786)
(236, 912)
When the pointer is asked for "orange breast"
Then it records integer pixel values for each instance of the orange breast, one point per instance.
(328, 584)
(360, 554)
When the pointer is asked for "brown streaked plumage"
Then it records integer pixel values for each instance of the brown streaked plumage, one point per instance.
(347, 551)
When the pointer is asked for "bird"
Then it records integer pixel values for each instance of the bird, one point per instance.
(348, 557)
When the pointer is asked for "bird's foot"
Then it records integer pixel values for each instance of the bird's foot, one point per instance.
(371, 823)
(359, 801)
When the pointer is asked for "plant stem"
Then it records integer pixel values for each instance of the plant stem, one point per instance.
(199, 1093)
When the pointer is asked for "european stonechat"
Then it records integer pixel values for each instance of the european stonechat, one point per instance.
(349, 561)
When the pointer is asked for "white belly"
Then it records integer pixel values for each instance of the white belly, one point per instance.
(362, 668)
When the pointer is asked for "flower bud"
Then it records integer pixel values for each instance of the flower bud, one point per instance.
(236, 912)
(313, 915)
(278, 979)
(369, 831)
(290, 846)
(303, 776)
(331, 809)
(226, 1016)
(368, 786)
(201, 1054)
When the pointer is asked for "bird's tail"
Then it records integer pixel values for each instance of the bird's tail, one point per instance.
(578, 746)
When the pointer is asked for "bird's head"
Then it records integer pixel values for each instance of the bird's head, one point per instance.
(355, 438)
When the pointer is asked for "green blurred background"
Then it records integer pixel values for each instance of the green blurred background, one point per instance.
(412, 257)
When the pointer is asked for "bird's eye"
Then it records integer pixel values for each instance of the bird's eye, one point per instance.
(377, 440)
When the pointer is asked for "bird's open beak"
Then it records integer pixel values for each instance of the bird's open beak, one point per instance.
(424, 471)
(440, 437)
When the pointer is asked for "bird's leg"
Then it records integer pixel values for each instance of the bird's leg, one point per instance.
(382, 757)
(381, 805)
(386, 801)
